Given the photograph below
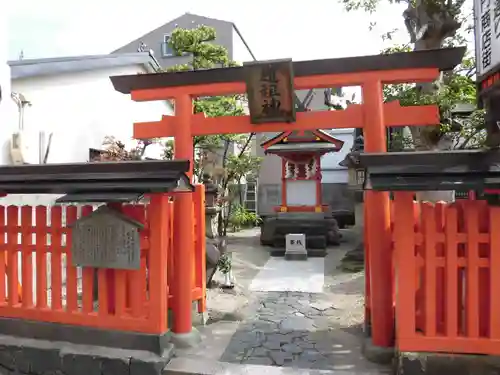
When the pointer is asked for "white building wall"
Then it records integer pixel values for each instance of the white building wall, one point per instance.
(80, 109)
(240, 51)
(7, 106)
(331, 171)
(316, 101)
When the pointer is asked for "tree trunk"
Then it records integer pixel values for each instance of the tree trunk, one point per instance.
(437, 30)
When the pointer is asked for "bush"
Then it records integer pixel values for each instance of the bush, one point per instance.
(240, 218)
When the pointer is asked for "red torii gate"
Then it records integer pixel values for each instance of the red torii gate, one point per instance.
(369, 72)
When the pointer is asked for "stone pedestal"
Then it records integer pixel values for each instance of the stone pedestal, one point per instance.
(316, 226)
(295, 247)
(75, 350)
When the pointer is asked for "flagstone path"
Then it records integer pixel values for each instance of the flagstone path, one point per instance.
(303, 317)
(288, 329)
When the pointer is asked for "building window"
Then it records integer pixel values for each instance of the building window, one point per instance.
(166, 50)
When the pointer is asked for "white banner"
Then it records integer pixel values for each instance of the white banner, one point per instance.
(487, 30)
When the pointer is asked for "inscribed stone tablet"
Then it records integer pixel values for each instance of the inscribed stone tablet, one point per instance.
(106, 240)
(295, 243)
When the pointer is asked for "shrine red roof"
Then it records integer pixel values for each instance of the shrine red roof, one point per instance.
(300, 139)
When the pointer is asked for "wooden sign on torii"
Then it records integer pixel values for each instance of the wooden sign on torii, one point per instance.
(374, 116)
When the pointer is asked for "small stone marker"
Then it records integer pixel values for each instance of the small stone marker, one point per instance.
(295, 248)
(106, 239)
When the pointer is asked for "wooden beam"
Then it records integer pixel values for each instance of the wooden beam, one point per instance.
(352, 117)
(353, 79)
(300, 83)
(397, 116)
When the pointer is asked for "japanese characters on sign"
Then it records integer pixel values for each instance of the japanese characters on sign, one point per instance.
(270, 91)
(271, 101)
(106, 239)
(487, 28)
(295, 242)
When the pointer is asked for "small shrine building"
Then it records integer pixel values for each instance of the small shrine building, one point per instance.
(301, 209)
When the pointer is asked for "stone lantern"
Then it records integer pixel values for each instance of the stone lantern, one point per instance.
(214, 245)
(211, 207)
(356, 174)
(351, 161)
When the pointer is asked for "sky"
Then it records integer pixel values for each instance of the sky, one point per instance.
(297, 29)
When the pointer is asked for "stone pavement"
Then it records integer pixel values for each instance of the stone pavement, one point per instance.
(280, 275)
(276, 331)
(291, 329)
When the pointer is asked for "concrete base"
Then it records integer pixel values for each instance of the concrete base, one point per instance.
(187, 366)
(440, 364)
(82, 335)
(295, 255)
(377, 354)
(280, 275)
(198, 319)
(186, 340)
(40, 357)
(311, 253)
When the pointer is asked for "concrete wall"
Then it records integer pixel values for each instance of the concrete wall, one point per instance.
(240, 51)
(331, 170)
(316, 101)
(79, 109)
(7, 106)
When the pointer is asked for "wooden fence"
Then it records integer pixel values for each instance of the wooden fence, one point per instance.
(447, 266)
(42, 284)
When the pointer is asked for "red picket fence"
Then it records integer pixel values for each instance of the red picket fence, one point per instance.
(39, 239)
(447, 265)
(35, 242)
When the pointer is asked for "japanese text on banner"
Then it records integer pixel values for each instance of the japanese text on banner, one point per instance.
(485, 34)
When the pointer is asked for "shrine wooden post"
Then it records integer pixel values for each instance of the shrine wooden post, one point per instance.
(369, 72)
(378, 221)
(183, 220)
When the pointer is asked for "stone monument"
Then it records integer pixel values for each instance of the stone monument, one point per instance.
(295, 247)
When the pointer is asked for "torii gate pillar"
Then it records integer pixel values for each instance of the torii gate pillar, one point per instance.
(183, 228)
(377, 220)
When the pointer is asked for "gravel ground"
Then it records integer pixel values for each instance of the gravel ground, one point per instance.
(346, 289)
